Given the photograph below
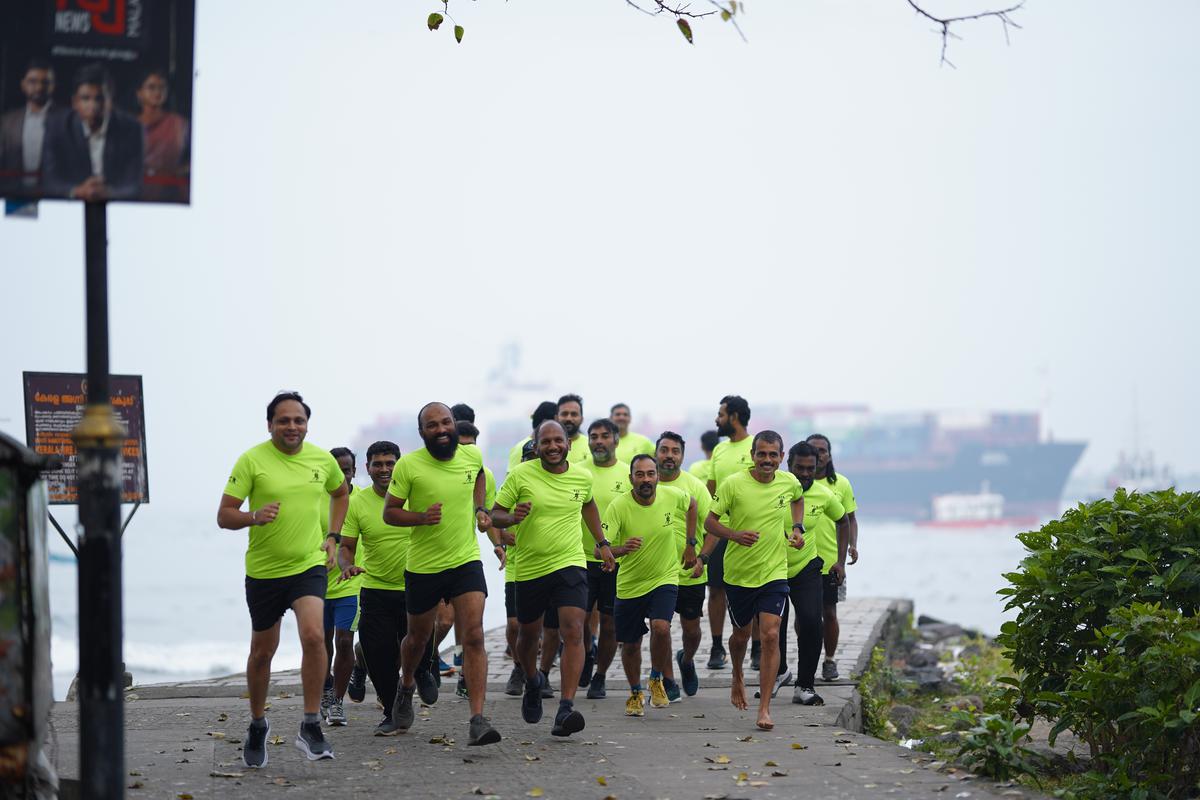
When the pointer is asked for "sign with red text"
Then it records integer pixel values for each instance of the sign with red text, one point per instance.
(54, 403)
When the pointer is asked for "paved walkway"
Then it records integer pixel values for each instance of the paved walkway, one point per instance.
(183, 740)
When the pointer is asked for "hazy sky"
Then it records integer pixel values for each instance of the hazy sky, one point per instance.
(821, 215)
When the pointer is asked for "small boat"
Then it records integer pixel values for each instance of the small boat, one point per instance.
(982, 509)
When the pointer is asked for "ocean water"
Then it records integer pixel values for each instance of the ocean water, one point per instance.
(185, 612)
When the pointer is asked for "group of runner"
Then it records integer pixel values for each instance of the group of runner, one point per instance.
(400, 562)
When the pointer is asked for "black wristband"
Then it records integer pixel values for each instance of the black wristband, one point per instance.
(604, 543)
(691, 542)
(337, 537)
(703, 558)
(799, 525)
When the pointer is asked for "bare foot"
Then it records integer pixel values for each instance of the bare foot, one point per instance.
(764, 722)
(737, 694)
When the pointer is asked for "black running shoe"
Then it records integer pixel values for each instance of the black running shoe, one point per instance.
(402, 709)
(482, 731)
(427, 687)
(755, 655)
(597, 690)
(386, 727)
(589, 664)
(687, 675)
(566, 722)
(357, 690)
(716, 656)
(312, 743)
(547, 689)
(531, 701)
(254, 750)
(516, 683)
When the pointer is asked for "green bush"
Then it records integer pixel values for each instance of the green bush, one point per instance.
(1100, 556)
(991, 746)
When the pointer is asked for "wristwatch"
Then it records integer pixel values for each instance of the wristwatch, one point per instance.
(337, 537)
(604, 543)
(800, 526)
(691, 542)
(703, 558)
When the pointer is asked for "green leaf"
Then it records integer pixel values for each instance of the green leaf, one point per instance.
(435, 21)
(726, 16)
(1137, 554)
(458, 33)
(685, 28)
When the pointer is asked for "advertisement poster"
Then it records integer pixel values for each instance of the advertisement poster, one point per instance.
(54, 403)
(96, 99)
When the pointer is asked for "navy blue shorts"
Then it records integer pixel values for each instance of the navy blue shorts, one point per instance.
(549, 619)
(563, 587)
(269, 598)
(746, 604)
(424, 590)
(340, 613)
(690, 604)
(716, 565)
(602, 587)
(631, 615)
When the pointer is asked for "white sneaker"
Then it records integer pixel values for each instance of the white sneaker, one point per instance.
(805, 696)
(781, 681)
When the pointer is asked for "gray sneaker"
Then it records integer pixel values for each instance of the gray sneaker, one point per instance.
(829, 670)
(516, 683)
(386, 727)
(427, 687)
(254, 750)
(402, 708)
(805, 696)
(547, 689)
(482, 731)
(312, 743)
(336, 715)
(596, 689)
(326, 701)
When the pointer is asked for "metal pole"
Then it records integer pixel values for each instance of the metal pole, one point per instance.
(98, 438)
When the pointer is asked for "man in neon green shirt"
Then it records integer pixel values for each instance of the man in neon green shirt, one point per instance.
(835, 590)
(570, 416)
(690, 603)
(547, 497)
(825, 520)
(341, 616)
(630, 443)
(702, 469)
(286, 481)
(644, 525)
(375, 554)
(728, 458)
(758, 503)
(448, 484)
(610, 480)
(547, 409)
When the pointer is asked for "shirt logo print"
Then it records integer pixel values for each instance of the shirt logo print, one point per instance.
(316, 476)
(617, 487)
(470, 477)
(781, 501)
(667, 520)
(578, 496)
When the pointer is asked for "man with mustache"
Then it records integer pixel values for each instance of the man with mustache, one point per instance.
(759, 504)
(447, 482)
(547, 497)
(644, 525)
(610, 480)
(570, 416)
(631, 443)
(690, 603)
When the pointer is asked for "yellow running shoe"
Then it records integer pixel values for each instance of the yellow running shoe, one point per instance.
(658, 694)
(635, 706)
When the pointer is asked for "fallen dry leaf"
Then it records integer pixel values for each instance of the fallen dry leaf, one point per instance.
(216, 773)
(770, 764)
(216, 734)
(222, 717)
(746, 739)
(532, 758)
(282, 782)
(760, 783)
(284, 695)
(188, 749)
(133, 773)
(535, 792)
(778, 773)
(184, 796)
(136, 785)
(798, 746)
(276, 740)
(443, 739)
(389, 751)
(601, 780)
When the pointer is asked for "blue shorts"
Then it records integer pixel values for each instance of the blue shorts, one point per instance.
(340, 613)
(631, 615)
(716, 565)
(745, 604)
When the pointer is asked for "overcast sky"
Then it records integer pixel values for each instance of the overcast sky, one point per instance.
(820, 215)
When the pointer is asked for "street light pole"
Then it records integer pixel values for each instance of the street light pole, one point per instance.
(98, 439)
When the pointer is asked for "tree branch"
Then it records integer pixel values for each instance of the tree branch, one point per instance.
(661, 6)
(944, 23)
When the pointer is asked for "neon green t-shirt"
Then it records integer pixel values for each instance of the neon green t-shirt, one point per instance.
(827, 547)
(514, 455)
(608, 483)
(548, 539)
(822, 510)
(336, 587)
(729, 458)
(301, 484)
(694, 488)
(632, 444)
(422, 480)
(763, 507)
(382, 549)
(702, 469)
(656, 562)
(579, 452)
(844, 491)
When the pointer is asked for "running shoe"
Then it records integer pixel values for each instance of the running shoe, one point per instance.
(658, 694)
(596, 689)
(426, 687)
(635, 706)
(326, 702)
(444, 668)
(482, 732)
(516, 683)
(458, 656)
(781, 680)
(312, 743)
(402, 708)
(672, 689)
(254, 750)
(531, 700)
(805, 696)
(337, 715)
(755, 655)
(386, 727)
(687, 674)
(357, 690)
(461, 688)
(547, 689)
(566, 722)
(589, 664)
(717, 657)
(829, 670)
